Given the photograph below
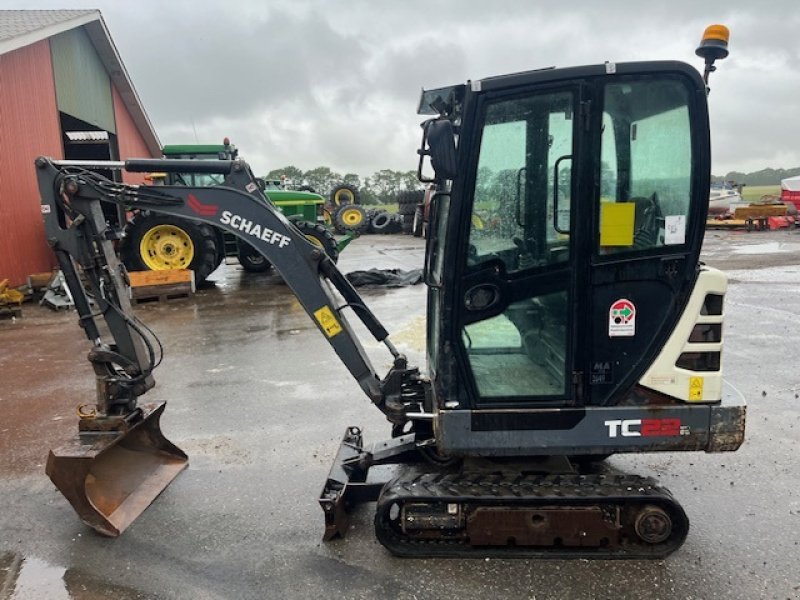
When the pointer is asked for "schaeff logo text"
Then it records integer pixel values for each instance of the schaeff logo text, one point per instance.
(264, 234)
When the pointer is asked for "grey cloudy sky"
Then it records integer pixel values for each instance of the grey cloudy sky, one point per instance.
(313, 82)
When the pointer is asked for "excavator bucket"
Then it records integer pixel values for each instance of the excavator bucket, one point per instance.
(110, 478)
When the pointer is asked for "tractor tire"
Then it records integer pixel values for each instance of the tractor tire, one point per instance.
(159, 242)
(371, 212)
(351, 218)
(381, 222)
(327, 217)
(407, 201)
(345, 194)
(418, 227)
(407, 224)
(252, 260)
(396, 224)
(402, 203)
(320, 237)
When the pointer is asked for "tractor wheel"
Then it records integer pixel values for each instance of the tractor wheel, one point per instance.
(382, 222)
(418, 227)
(159, 242)
(351, 218)
(345, 194)
(252, 260)
(320, 237)
(327, 217)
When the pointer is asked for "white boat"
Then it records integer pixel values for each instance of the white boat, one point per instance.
(723, 198)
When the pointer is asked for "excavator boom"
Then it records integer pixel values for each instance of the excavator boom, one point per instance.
(120, 460)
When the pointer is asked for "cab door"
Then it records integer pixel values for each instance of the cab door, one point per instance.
(519, 310)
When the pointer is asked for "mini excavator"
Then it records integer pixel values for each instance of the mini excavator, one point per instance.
(568, 319)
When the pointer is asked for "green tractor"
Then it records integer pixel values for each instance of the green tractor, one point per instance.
(159, 242)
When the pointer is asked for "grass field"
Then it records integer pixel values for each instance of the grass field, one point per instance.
(751, 193)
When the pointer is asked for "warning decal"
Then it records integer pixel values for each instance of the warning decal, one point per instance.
(329, 323)
(695, 388)
(622, 319)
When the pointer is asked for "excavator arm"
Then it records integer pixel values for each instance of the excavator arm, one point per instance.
(121, 461)
(238, 206)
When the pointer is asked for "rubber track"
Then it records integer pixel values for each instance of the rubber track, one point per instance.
(510, 488)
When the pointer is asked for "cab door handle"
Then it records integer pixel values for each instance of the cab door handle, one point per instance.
(555, 193)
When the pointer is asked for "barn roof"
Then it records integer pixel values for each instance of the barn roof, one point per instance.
(20, 28)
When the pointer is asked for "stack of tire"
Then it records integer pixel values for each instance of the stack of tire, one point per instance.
(381, 221)
(408, 202)
(347, 215)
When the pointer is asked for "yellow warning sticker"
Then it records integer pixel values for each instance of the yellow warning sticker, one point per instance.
(695, 388)
(329, 323)
(616, 223)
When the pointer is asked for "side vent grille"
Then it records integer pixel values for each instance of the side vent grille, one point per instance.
(703, 349)
(712, 305)
(706, 333)
(689, 366)
(699, 361)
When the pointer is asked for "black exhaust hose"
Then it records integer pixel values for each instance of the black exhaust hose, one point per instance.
(176, 165)
(349, 293)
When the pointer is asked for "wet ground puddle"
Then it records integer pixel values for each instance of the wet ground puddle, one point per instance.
(31, 578)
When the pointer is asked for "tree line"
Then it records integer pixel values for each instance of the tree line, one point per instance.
(762, 177)
(382, 187)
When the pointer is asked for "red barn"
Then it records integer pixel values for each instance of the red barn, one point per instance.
(65, 93)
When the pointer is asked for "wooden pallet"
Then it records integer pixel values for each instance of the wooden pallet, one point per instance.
(759, 211)
(726, 224)
(160, 286)
(39, 281)
(161, 293)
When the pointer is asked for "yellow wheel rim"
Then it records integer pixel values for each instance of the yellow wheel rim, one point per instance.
(343, 197)
(315, 241)
(352, 216)
(166, 247)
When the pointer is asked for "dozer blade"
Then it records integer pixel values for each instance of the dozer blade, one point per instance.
(110, 478)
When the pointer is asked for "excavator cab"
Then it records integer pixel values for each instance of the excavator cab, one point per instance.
(568, 315)
(565, 256)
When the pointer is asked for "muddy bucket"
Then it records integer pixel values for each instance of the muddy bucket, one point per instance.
(110, 478)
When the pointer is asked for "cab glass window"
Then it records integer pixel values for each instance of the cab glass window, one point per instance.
(522, 351)
(646, 166)
(523, 188)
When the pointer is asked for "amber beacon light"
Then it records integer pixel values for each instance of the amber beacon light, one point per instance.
(713, 46)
